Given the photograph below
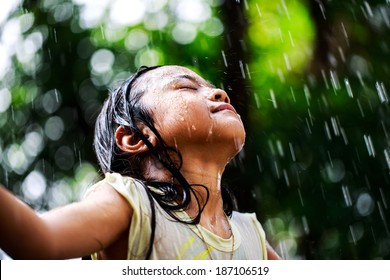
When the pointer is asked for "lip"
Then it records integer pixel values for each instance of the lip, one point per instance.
(223, 107)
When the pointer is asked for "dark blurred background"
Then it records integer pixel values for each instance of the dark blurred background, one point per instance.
(309, 78)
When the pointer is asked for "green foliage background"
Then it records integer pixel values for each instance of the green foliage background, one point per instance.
(309, 78)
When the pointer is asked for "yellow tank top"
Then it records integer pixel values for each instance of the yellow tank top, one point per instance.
(175, 240)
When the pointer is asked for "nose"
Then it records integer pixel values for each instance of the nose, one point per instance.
(219, 95)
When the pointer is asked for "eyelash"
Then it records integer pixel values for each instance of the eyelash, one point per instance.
(189, 87)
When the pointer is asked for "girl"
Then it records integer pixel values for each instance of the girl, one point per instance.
(163, 139)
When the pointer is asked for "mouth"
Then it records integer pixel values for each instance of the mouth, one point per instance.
(223, 107)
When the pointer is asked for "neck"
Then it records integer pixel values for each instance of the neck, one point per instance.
(203, 169)
(209, 174)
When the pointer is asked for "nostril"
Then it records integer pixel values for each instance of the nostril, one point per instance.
(218, 97)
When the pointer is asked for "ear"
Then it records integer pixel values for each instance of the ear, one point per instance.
(130, 142)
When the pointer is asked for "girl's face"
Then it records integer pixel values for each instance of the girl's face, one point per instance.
(187, 110)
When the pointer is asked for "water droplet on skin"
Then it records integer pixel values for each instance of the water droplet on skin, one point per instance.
(193, 127)
(182, 119)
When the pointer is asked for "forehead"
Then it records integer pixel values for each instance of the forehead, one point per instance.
(160, 77)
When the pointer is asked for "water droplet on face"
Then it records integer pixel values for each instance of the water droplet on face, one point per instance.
(193, 127)
(182, 119)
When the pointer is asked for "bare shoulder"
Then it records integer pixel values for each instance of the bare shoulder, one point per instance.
(105, 198)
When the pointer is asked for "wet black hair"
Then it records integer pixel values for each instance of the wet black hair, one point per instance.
(123, 108)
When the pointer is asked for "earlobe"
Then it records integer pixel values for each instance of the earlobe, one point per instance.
(129, 142)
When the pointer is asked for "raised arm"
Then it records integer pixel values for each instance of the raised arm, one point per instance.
(72, 231)
(272, 255)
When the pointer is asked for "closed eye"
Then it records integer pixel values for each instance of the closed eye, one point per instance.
(188, 87)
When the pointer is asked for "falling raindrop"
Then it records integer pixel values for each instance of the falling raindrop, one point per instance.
(247, 71)
(286, 177)
(307, 94)
(327, 131)
(258, 10)
(384, 130)
(330, 159)
(335, 81)
(292, 151)
(300, 197)
(281, 75)
(348, 87)
(310, 117)
(369, 145)
(242, 69)
(360, 108)
(56, 95)
(359, 75)
(383, 217)
(286, 9)
(102, 32)
(55, 35)
(383, 198)
(287, 61)
(341, 52)
(291, 39)
(308, 125)
(257, 100)
(387, 156)
(280, 148)
(381, 92)
(277, 170)
(344, 135)
(224, 58)
(293, 94)
(346, 195)
(259, 164)
(335, 126)
(345, 33)
(305, 225)
(273, 99)
(325, 78)
(352, 232)
(368, 9)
